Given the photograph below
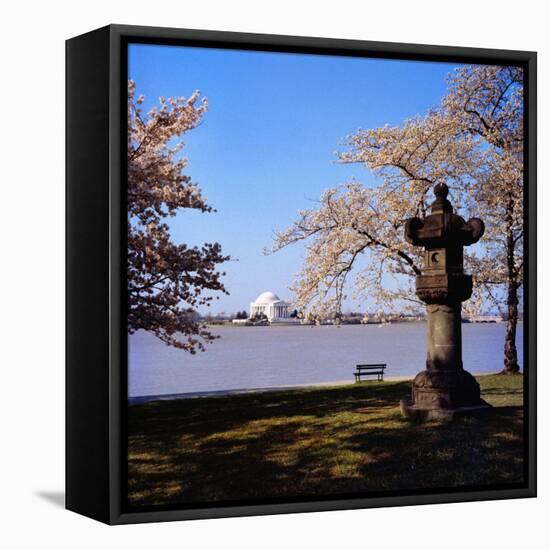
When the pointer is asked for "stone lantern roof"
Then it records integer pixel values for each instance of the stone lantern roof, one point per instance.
(443, 227)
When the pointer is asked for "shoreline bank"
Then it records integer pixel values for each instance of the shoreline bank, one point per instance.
(137, 400)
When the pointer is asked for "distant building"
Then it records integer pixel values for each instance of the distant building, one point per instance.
(271, 306)
(485, 319)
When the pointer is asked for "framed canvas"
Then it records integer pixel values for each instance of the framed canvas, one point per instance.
(301, 274)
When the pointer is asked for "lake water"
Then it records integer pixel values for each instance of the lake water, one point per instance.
(260, 357)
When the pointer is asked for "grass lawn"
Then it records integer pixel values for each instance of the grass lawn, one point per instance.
(321, 441)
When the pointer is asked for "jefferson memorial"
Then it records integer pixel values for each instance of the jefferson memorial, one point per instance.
(271, 306)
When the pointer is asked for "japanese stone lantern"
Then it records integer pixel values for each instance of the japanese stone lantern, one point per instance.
(444, 387)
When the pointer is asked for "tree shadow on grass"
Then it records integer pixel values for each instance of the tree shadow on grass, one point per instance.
(229, 410)
(472, 451)
(333, 441)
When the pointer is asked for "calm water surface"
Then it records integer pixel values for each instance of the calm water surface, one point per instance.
(258, 357)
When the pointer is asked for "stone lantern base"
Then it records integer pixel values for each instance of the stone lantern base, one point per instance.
(443, 394)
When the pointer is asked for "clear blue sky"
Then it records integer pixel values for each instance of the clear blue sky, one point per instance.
(266, 147)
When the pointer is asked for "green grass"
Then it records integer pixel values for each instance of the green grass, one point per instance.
(318, 442)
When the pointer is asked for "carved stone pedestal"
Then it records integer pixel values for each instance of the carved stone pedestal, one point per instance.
(443, 395)
(419, 414)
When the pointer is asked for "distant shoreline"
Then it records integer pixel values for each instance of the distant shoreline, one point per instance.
(225, 324)
(274, 325)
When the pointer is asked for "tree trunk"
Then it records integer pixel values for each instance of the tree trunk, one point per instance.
(510, 351)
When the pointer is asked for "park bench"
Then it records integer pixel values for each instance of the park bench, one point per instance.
(370, 370)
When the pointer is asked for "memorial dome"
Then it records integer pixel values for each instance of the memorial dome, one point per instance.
(267, 298)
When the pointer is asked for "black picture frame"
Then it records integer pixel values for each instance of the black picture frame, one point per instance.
(96, 335)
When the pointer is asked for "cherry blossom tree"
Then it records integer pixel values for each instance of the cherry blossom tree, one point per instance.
(473, 142)
(486, 102)
(361, 227)
(166, 281)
